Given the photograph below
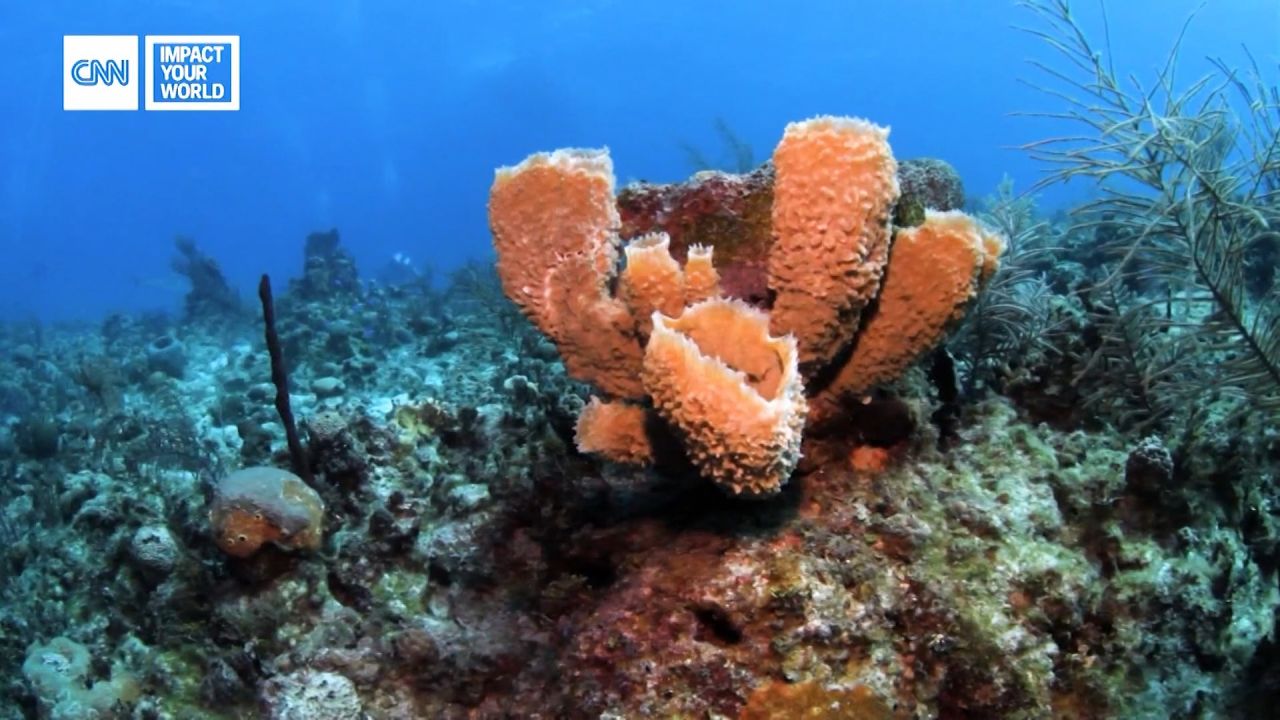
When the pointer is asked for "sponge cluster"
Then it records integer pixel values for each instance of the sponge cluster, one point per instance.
(853, 301)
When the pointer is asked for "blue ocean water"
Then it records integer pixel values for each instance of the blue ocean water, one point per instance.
(386, 119)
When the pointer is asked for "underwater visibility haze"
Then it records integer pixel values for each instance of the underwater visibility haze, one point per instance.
(725, 360)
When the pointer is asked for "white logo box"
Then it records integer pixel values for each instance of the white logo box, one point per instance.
(96, 61)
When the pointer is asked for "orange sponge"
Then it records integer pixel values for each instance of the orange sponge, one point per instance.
(701, 280)
(652, 279)
(549, 206)
(832, 202)
(259, 505)
(615, 430)
(732, 391)
(595, 333)
(554, 226)
(935, 269)
(993, 244)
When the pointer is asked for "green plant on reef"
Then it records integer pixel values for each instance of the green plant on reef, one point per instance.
(1190, 176)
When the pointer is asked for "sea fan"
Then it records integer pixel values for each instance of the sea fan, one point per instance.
(1129, 374)
(1193, 173)
(1013, 315)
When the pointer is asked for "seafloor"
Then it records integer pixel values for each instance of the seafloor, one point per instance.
(997, 552)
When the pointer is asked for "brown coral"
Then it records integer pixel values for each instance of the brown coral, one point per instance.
(712, 209)
(832, 200)
(259, 505)
(732, 390)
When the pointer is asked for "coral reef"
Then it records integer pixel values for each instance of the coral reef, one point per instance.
(59, 672)
(932, 183)
(1036, 521)
(1179, 228)
(327, 267)
(472, 561)
(210, 295)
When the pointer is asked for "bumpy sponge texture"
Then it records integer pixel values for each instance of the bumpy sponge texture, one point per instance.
(701, 279)
(260, 505)
(554, 225)
(595, 333)
(652, 279)
(844, 310)
(832, 201)
(732, 390)
(547, 207)
(935, 269)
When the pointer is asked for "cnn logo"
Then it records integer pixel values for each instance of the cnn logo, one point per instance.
(96, 72)
(92, 72)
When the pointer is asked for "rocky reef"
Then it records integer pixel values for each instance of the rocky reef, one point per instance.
(528, 509)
